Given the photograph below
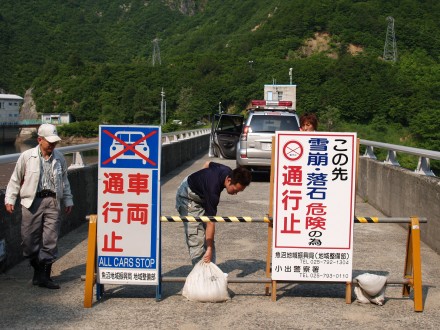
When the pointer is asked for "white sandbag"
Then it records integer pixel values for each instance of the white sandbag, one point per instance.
(370, 288)
(372, 284)
(365, 298)
(206, 283)
(379, 298)
(360, 297)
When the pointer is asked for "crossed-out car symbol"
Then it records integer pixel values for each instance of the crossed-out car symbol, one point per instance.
(129, 138)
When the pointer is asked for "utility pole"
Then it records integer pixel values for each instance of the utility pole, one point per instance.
(165, 112)
(220, 108)
(156, 52)
(390, 48)
(290, 75)
(163, 119)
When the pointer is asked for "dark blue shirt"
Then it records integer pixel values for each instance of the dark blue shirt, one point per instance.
(209, 183)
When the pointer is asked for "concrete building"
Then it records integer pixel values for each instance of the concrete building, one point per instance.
(10, 108)
(56, 118)
(280, 93)
(9, 112)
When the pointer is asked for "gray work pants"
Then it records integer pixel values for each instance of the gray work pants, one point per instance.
(189, 203)
(40, 226)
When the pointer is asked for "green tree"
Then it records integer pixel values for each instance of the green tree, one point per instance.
(425, 126)
(184, 110)
(329, 119)
(127, 103)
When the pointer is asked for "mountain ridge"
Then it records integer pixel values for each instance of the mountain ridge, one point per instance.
(95, 59)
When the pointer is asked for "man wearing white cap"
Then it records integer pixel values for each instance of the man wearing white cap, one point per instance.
(40, 178)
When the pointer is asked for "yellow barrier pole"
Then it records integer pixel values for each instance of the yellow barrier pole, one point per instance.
(91, 262)
(414, 263)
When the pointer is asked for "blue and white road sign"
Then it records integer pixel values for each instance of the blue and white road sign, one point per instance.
(129, 205)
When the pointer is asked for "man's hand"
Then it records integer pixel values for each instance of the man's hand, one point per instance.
(68, 209)
(9, 208)
(209, 240)
(208, 255)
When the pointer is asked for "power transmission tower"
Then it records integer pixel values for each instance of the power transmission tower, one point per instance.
(390, 48)
(156, 52)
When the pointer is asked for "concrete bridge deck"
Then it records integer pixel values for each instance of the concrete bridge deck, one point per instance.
(241, 251)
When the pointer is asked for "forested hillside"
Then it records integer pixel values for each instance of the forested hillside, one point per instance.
(95, 60)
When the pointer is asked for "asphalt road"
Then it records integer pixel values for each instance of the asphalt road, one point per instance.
(378, 248)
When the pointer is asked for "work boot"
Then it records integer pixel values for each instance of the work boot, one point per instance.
(36, 266)
(45, 280)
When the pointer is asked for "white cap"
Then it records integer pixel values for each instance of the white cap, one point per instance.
(49, 133)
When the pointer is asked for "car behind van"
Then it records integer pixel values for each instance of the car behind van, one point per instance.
(254, 149)
(250, 141)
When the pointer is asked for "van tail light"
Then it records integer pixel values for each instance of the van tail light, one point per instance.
(245, 133)
(271, 103)
(285, 104)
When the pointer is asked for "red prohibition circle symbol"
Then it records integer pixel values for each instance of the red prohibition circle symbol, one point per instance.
(293, 150)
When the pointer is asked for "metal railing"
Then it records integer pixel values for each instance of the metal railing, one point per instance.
(423, 166)
(20, 123)
(76, 150)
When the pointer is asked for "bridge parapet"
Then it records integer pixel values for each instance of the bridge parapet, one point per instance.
(397, 192)
(423, 166)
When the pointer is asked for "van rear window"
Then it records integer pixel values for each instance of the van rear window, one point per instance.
(269, 123)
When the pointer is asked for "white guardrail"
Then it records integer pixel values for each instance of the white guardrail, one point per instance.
(423, 166)
(76, 150)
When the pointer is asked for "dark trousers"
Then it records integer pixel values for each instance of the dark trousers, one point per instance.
(40, 228)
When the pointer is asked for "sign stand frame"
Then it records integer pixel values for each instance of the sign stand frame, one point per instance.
(92, 268)
(159, 266)
(272, 286)
(90, 277)
(348, 285)
(413, 268)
